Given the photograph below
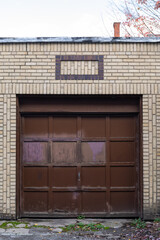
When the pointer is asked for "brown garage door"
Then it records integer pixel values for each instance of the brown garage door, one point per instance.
(79, 164)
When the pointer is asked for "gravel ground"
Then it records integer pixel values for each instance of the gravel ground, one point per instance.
(127, 231)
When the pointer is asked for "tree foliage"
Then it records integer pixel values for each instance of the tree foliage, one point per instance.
(142, 17)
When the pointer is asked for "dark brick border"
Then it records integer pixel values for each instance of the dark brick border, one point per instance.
(60, 58)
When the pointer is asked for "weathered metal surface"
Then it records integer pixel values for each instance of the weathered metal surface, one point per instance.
(35, 177)
(76, 104)
(80, 164)
(93, 152)
(64, 152)
(64, 127)
(35, 152)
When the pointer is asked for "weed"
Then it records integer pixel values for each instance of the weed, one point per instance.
(81, 217)
(138, 223)
(157, 220)
(12, 224)
(40, 226)
(84, 227)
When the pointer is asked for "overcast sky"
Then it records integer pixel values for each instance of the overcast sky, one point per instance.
(52, 18)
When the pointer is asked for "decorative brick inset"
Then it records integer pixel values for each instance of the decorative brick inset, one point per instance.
(79, 60)
(79, 67)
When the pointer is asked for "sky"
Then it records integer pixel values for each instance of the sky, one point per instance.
(56, 18)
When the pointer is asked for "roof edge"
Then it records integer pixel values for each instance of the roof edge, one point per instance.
(80, 40)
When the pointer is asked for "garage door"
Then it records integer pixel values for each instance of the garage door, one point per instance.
(79, 164)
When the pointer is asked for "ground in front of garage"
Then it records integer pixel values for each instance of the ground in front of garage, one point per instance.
(68, 229)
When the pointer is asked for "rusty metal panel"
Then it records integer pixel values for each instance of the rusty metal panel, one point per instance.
(122, 201)
(79, 164)
(122, 176)
(64, 176)
(93, 176)
(93, 127)
(35, 127)
(79, 104)
(93, 202)
(64, 152)
(65, 202)
(93, 152)
(35, 176)
(35, 202)
(65, 127)
(122, 126)
(35, 152)
(122, 151)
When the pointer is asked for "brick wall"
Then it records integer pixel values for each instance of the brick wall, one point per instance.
(129, 68)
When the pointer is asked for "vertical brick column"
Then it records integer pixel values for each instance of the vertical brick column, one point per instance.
(149, 155)
(158, 154)
(146, 171)
(7, 156)
(5, 202)
(1, 154)
(12, 150)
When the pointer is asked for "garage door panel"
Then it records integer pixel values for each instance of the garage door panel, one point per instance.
(122, 151)
(64, 127)
(80, 164)
(35, 202)
(35, 127)
(93, 176)
(122, 126)
(65, 202)
(93, 152)
(64, 177)
(35, 152)
(64, 152)
(93, 127)
(122, 201)
(93, 202)
(122, 176)
(35, 176)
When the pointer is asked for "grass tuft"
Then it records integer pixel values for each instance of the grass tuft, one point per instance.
(157, 220)
(12, 224)
(138, 223)
(84, 227)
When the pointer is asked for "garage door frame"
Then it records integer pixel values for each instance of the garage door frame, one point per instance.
(122, 99)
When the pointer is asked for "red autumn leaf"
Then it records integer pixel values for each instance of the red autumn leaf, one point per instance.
(157, 5)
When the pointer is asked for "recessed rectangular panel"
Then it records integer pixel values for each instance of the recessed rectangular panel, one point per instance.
(35, 176)
(35, 127)
(79, 67)
(35, 201)
(65, 202)
(64, 177)
(122, 176)
(35, 152)
(122, 202)
(64, 152)
(93, 127)
(93, 152)
(122, 152)
(93, 201)
(122, 126)
(65, 127)
(93, 176)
